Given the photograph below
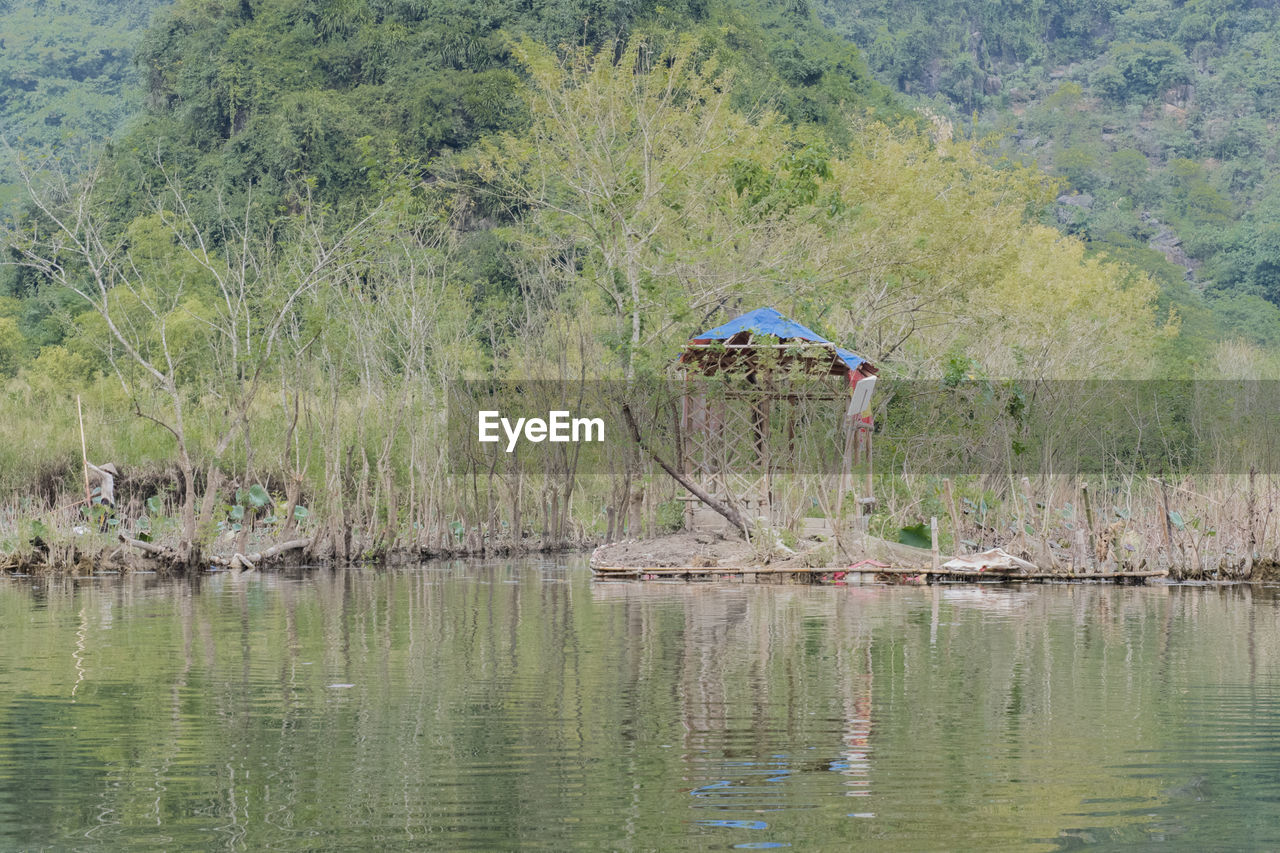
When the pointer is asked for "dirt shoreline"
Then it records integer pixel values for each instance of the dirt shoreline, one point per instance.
(704, 552)
(687, 549)
(58, 561)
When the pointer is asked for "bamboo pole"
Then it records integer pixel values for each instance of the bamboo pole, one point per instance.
(1090, 545)
(870, 481)
(955, 516)
(1167, 527)
(84, 453)
(933, 540)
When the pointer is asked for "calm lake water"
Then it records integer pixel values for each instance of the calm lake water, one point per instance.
(520, 705)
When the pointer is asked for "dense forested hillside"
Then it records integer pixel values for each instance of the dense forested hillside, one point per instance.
(263, 93)
(66, 74)
(1160, 116)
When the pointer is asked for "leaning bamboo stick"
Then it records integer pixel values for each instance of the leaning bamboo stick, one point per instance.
(68, 506)
(84, 453)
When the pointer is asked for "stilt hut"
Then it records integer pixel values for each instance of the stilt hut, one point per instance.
(774, 418)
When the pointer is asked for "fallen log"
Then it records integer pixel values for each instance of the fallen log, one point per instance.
(249, 562)
(237, 561)
(146, 547)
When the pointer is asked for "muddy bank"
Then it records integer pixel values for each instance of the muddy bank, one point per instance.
(701, 553)
(711, 549)
(679, 549)
(67, 559)
(687, 549)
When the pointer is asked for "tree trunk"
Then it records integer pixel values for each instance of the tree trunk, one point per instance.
(188, 552)
(213, 484)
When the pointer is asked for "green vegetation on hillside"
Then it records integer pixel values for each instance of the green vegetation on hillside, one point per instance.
(66, 74)
(292, 97)
(1159, 115)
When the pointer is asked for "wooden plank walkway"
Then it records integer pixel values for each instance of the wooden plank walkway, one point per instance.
(691, 572)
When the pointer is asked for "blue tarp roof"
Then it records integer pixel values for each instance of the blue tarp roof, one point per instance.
(767, 321)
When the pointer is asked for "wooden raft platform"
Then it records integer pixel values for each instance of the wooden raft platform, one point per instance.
(863, 575)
